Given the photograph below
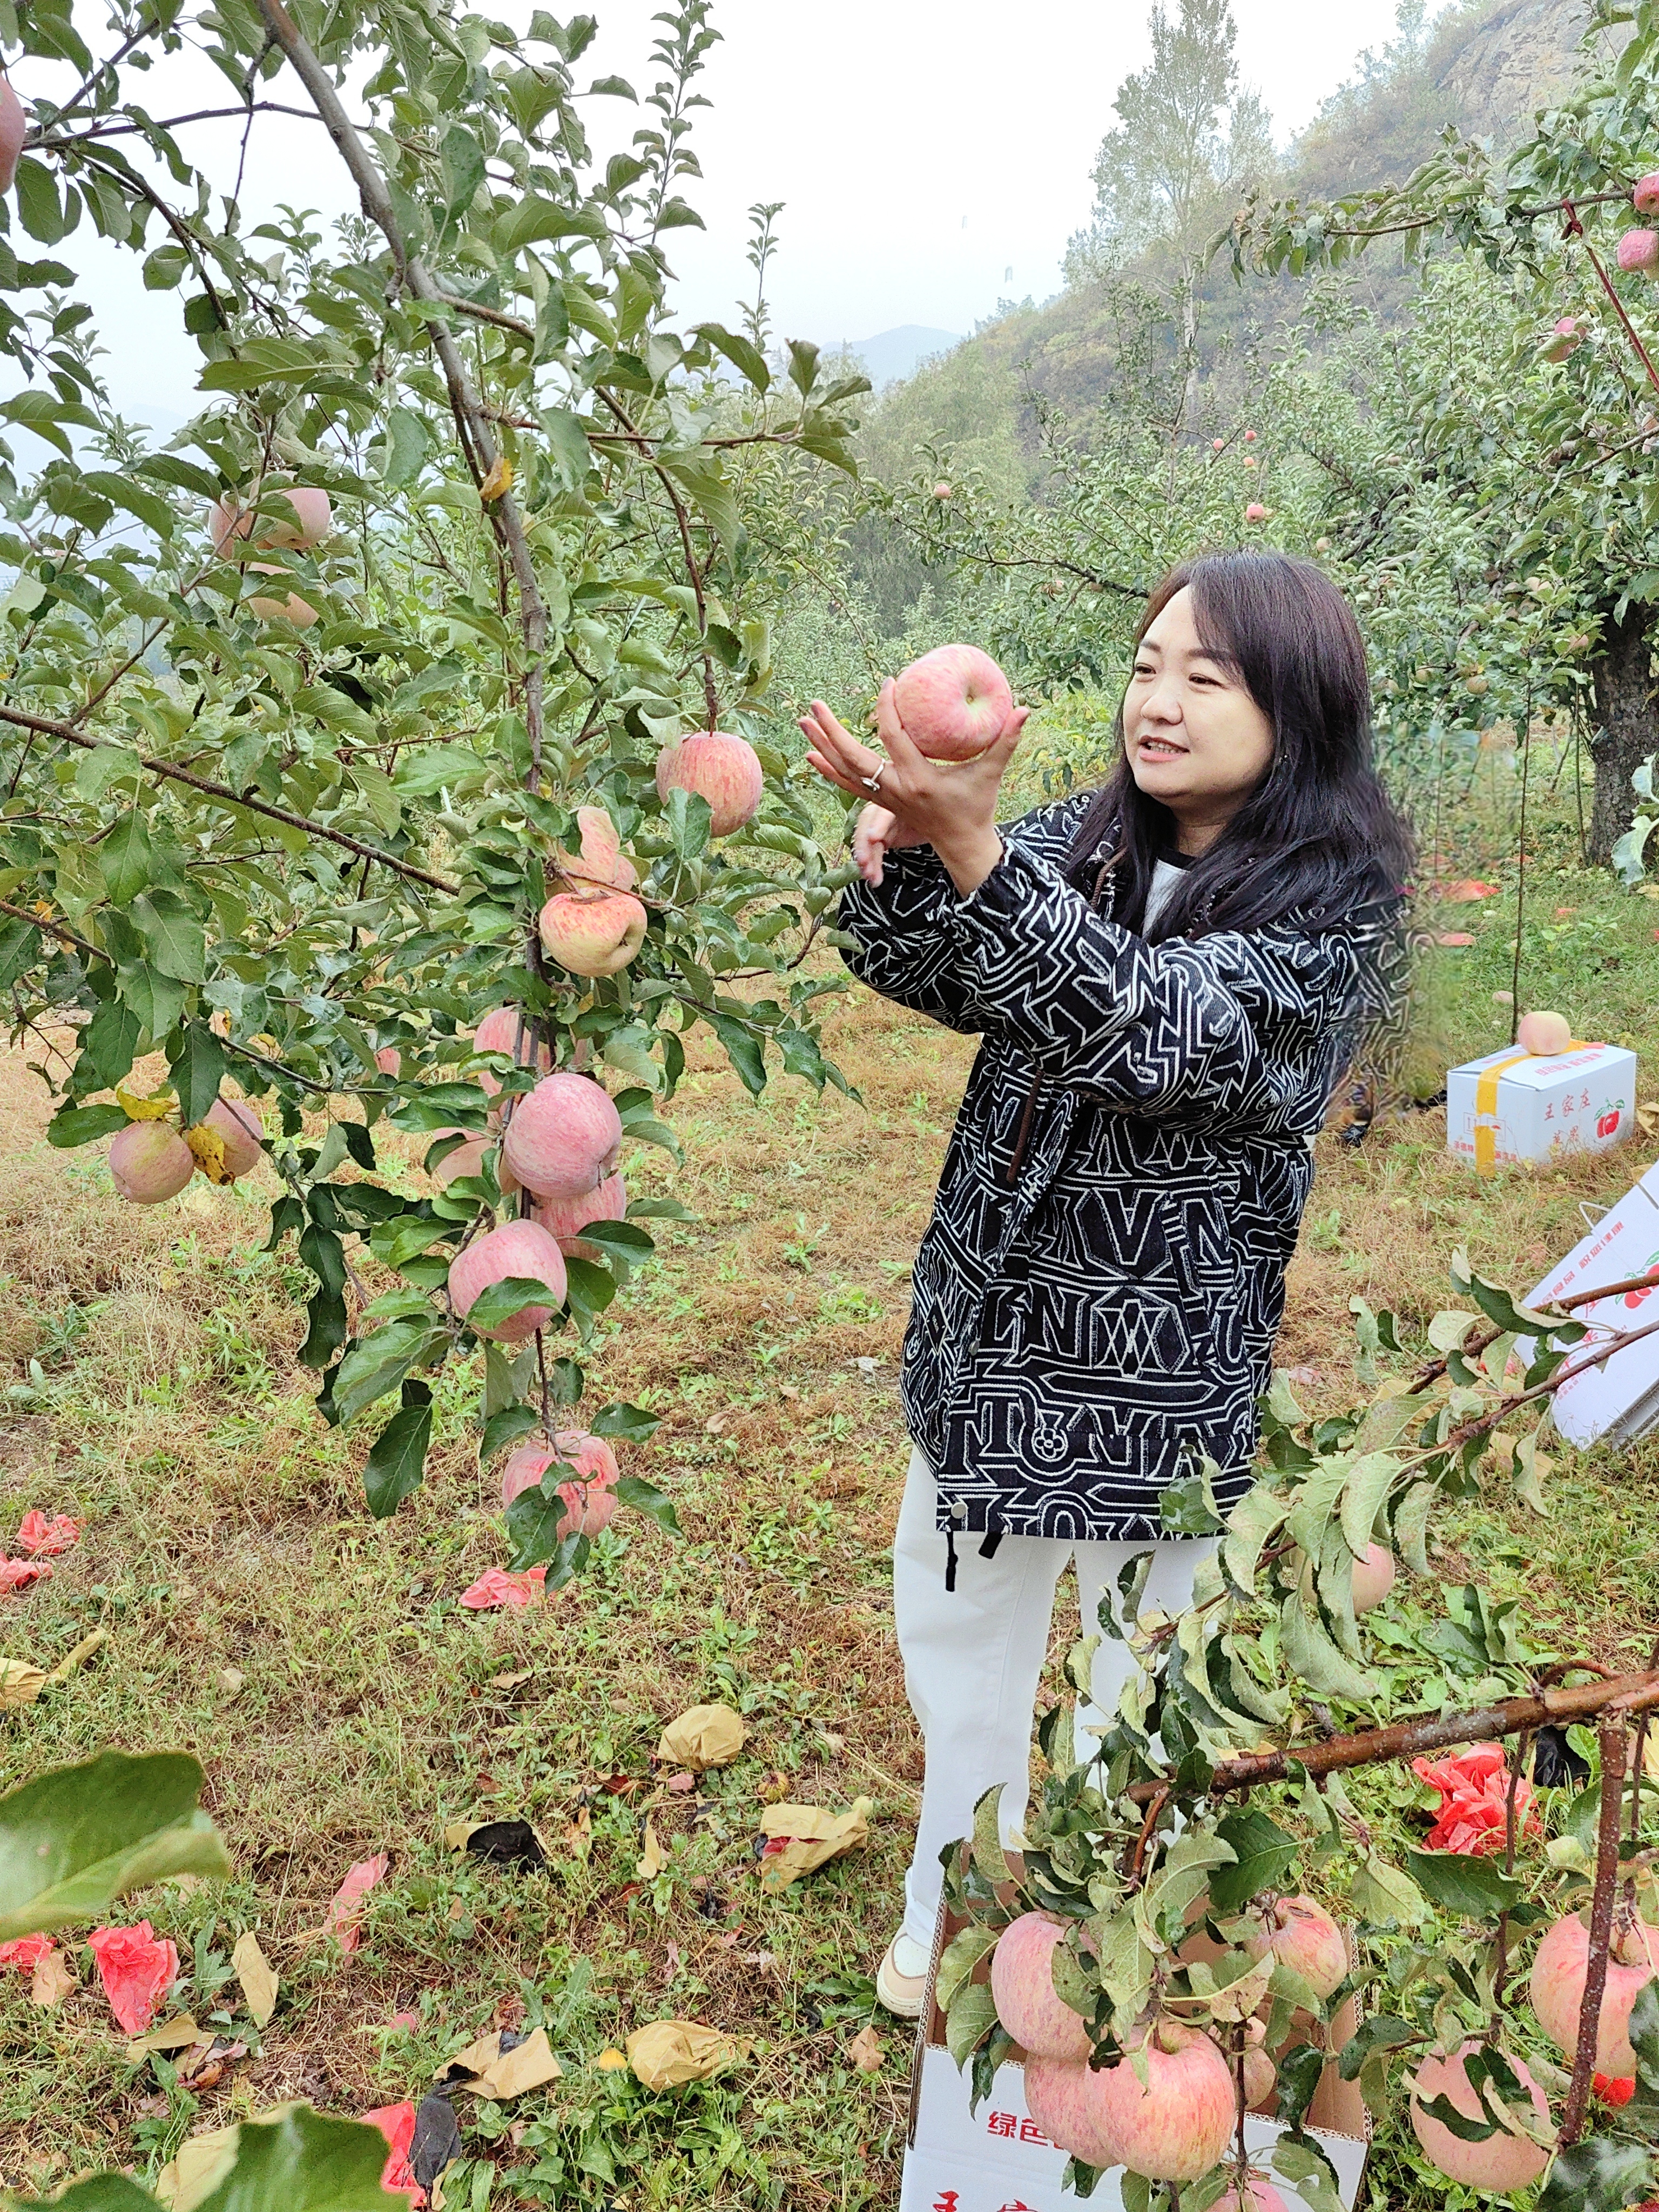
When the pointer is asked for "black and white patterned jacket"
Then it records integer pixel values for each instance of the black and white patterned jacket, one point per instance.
(1096, 1296)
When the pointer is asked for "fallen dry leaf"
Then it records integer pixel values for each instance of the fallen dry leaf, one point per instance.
(206, 2064)
(53, 1980)
(259, 1983)
(866, 2050)
(73, 1661)
(345, 1907)
(706, 1736)
(512, 1681)
(671, 2051)
(578, 1834)
(20, 1683)
(653, 1857)
(801, 1838)
(232, 1681)
(175, 2034)
(201, 2165)
(493, 2071)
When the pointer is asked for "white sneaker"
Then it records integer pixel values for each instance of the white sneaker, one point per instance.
(902, 1977)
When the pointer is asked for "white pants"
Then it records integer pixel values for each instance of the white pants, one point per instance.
(973, 1657)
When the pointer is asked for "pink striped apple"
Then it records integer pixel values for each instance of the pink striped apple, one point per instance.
(149, 1161)
(592, 932)
(517, 1247)
(719, 768)
(563, 1138)
(952, 702)
(13, 129)
(590, 1495)
(564, 1218)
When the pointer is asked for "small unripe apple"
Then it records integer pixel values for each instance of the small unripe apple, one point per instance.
(1248, 461)
(1505, 2160)
(1255, 511)
(1645, 197)
(1373, 1578)
(1321, 545)
(1217, 445)
(1250, 437)
(563, 1138)
(954, 703)
(13, 129)
(1543, 1034)
(1639, 250)
(1478, 683)
(719, 768)
(941, 491)
(149, 1161)
(593, 932)
(517, 1247)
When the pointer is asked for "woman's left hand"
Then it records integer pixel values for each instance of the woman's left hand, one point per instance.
(949, 804)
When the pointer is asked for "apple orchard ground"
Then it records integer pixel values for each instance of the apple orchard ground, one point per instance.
(343, 1704)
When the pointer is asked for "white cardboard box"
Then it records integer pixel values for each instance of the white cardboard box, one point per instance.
(1513, 1106)
(1620, 1398)
(996, 2160)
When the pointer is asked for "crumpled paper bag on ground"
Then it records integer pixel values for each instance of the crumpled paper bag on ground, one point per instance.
(704, 1736)
(800, 1837)
(503, 2065)
(672, 2051)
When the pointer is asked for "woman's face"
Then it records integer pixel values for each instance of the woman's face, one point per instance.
(1196, 740)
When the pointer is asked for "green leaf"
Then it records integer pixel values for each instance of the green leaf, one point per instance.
(534, 1519)
(957, 1961)
(535, 219)
(645, 1498)
(110, 1042)
(1363, 1493)
(622, 1419)
(1381, 1892)
(747, 359)
(198, 1060)
(970, 2020)
(175, 939)
(396, 1459)
(803, 365)
(83, 1125)
(1316, 1662)
(624, 1240)
(75, 1839)
(503, 1300)
(507, 1427)
(1475, 1888)
(125, 858)
(743, 1049)
(133, 497)
(1382, 2032)
(378, 1363)
(1601, 2174)
(407, 445)
(1264, 1853)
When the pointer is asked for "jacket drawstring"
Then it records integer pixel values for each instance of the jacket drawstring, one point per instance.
(950, 1556)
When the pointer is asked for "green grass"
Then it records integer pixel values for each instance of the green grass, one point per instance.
(226, 1540)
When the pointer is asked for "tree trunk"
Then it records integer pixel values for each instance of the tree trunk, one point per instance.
(1627, 730)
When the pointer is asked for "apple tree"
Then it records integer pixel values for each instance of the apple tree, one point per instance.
(305, 700)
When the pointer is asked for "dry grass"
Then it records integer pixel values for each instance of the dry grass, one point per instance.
(225, 1531)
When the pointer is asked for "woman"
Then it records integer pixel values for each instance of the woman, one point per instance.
(1169, 976)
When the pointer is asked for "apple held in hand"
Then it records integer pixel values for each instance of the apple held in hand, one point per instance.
(954, 703)
(721, 768)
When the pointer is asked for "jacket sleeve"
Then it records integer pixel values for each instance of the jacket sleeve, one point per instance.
(1251, 1029)
(905, 946)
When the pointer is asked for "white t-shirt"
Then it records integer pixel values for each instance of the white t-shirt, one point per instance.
(1165, 877)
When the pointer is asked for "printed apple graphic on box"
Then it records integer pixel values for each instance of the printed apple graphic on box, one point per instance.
(1607, 1121)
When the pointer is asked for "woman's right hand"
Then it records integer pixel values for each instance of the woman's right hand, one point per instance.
(879, 832)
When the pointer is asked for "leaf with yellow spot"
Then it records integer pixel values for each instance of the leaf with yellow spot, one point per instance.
(498, 482)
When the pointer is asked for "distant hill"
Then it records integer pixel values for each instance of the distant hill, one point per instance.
(892, 354)
(1483, 66)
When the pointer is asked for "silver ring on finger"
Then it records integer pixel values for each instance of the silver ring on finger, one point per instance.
(872, 783)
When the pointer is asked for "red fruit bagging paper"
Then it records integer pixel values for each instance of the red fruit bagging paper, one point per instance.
(25, 1953)
(345, 1907)
(38, 1537)
(498, 1587)
(396, 2123)
(137, 1968)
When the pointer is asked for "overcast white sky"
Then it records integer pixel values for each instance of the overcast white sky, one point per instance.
(932, 156)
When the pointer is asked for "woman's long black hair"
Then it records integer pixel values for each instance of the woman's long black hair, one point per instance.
(1319, 835)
